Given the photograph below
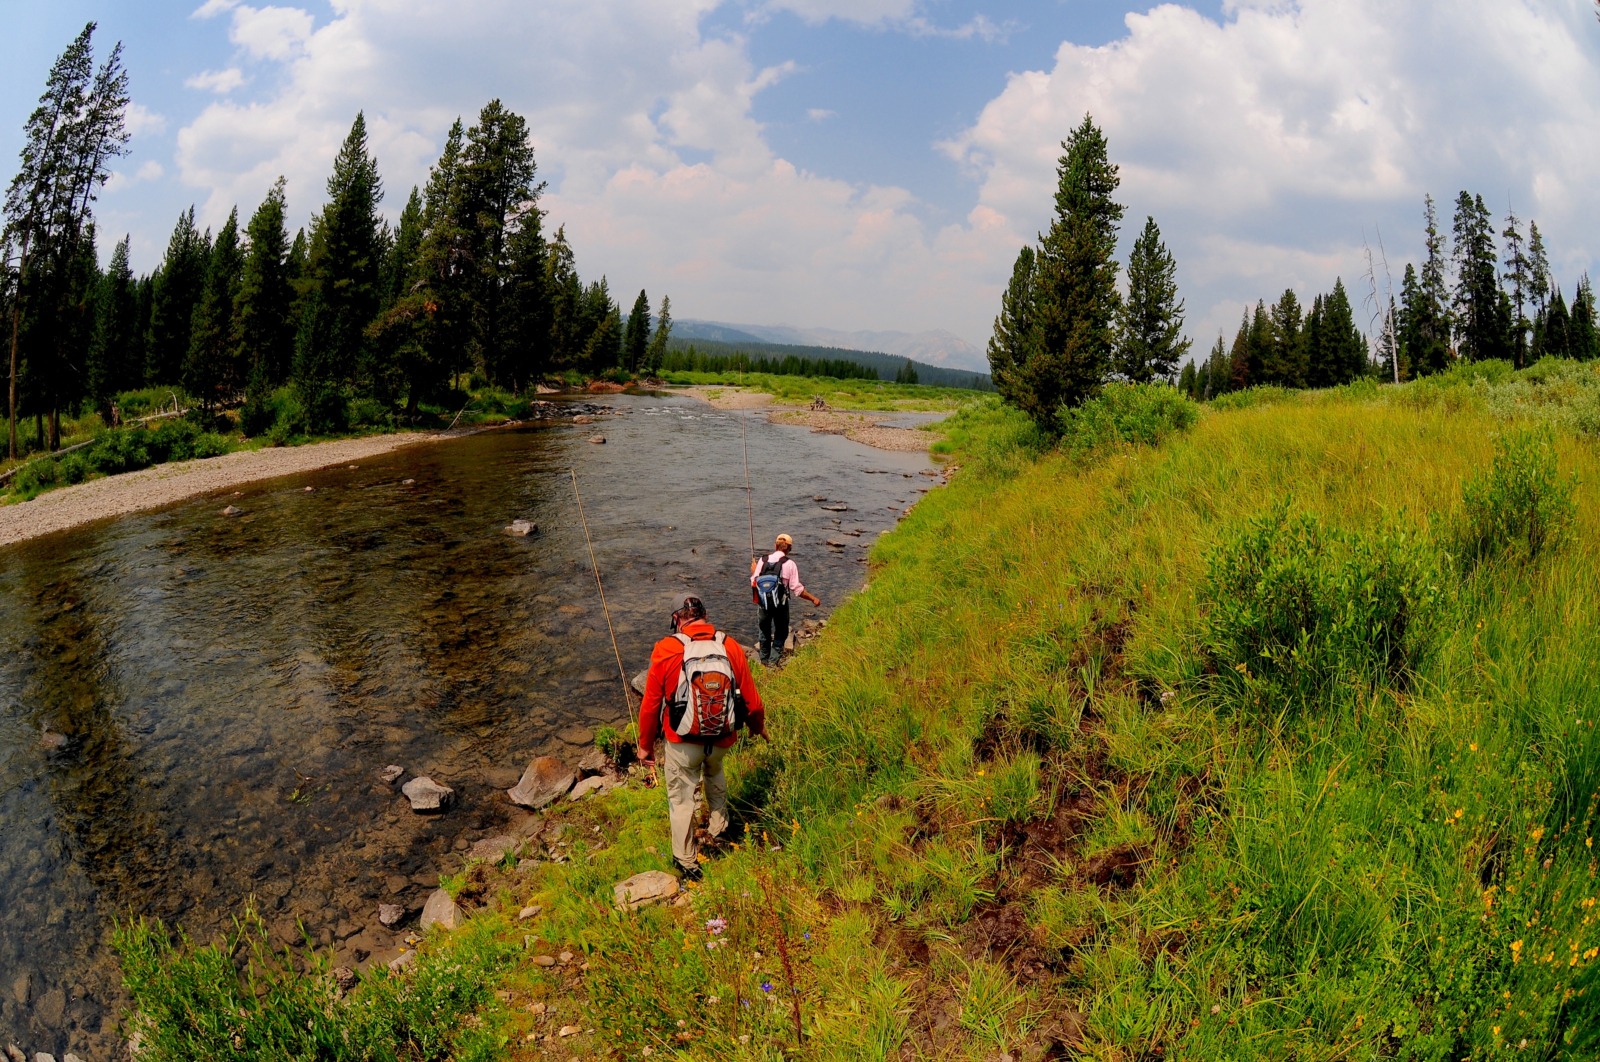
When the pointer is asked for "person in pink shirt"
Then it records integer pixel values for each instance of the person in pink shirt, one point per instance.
(774, 579)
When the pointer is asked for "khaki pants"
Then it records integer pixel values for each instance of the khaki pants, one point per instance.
(687, 765)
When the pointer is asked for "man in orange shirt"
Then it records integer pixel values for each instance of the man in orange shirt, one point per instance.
(698, 692)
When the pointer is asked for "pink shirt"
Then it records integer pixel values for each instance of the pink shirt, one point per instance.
(789, 573)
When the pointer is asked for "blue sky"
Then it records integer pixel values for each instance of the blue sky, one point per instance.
(874, 164)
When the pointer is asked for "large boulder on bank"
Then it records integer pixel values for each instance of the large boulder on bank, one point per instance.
(441, 911)
(545, 781)
(427, 795)
(641, 890)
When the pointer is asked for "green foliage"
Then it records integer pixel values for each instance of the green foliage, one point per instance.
(120, 451)
(691, 359)
(1294, 608)
(194, 1002)
(1520, 506)
(1131, 414)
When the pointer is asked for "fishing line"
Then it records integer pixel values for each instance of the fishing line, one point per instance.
(622, 672)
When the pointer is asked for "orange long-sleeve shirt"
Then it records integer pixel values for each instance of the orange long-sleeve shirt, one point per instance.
(666, 661)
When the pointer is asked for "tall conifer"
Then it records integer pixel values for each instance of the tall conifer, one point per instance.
(1150, 340)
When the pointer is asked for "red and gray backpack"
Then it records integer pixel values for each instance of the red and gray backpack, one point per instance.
(704, 707)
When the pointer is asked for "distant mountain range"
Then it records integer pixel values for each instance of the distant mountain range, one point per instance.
(932, 348)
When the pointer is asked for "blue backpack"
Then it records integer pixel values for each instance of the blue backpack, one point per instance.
(770, 590)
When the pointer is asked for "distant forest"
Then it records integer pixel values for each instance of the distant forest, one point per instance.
(709, 355)
(349, 315)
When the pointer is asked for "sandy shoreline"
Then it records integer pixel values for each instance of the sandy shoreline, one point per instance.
(857, 427)
(160, 485)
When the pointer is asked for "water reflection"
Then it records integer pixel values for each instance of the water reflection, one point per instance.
(229, 688)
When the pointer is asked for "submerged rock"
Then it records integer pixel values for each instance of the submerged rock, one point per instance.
(839, 507)
(441, 911)
(598, 440)
(545, 781)
(391, 772)
(14, 1053)
(641, 890)
(52, 741)
(427, 795)
(232, 511)
(521, 528)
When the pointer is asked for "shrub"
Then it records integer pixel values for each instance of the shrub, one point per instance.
(34, 477)
(120, 451)
(172, 440)
(1297, 608)
(257, 414)
(1251, 397)
(73, 469)
(210, 444)
(1519, 506)
(1136, 414)
(371, 413)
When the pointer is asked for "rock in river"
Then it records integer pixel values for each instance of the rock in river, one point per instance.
(427, 795)
(521, 528)
(391, 914)
(598, 440)
(641, 890)
(391, 772)
(545, 781)
(441, 911)
(231, 511)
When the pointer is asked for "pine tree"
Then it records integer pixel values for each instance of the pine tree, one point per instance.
(342, 275)
(527, 301)
(906, 374)
(1239, 358)
(1344, 348)
(1218, 371)
(636, 337)
(565, 291)
(401, 264)
(1585, 331)
(658, 341)
(263, 329)
(1319, 356)
(1186, 380)
(495, 187)
(1285, 367)
(179, 283)
(1519, 274)
(1483, 328)
(1430, 309)
(210, 371)
(69, 141)
(1150, 339)
(1011, 345)
(1558, 328)
(114, 363)
(1073, 307)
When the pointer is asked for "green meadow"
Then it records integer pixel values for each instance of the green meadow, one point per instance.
(1273, 739)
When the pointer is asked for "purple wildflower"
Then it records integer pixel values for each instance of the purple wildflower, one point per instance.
(766, 986)
(716, 925)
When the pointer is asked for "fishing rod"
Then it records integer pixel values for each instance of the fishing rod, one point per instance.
(622, 672)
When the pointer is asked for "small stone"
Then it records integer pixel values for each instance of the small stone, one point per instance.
(529, 912)
(493, 849)
(544, 960)
(399, 963)
(51, 741)
(566, 1030)
(639, 681)
(408, 482)
(838, 508)
(819, 497)
(837, 543)
(70, 1058)
(232, 511)
(344, 978)
(641, 890)
(354, 467)
(593, 762)
(598, 440)
(308, 490)
(391, 772)
(588, 785)
(441, 911)
(536, 1009)
(391, 914)
(521, 528)
(583, 418)
(14, 1053)
(565, 957)
(545, 781)
(427, 795)
(43, 1056)
(22, 989)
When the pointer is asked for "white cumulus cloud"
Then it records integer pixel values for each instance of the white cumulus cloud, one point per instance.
(221, 82)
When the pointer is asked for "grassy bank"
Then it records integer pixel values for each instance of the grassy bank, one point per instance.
(1274, 741)
(865, 395)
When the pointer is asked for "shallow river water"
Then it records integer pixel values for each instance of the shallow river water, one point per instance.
(229, 688)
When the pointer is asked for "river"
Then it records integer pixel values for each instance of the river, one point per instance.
(228, 688)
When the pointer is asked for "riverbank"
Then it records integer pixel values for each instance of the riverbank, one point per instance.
(161, 485)
(857, 427)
